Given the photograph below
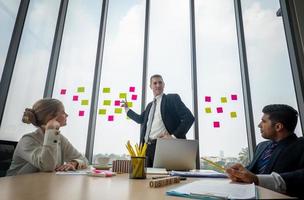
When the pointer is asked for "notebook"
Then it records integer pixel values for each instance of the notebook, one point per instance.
(175, 154)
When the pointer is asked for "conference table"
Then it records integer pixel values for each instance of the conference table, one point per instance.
(49, 186)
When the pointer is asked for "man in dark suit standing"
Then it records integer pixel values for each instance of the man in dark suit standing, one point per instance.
(278, 162)
(165, 117)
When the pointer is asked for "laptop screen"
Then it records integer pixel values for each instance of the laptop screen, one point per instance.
(175, 154)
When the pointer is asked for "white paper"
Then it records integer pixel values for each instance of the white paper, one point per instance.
(217, 188)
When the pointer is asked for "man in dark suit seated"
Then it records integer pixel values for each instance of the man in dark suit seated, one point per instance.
(165, 117)
(278, 163)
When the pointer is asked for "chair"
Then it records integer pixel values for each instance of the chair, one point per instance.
(7, 149)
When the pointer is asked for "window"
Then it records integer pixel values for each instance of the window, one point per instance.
(223, 137)
(120, 77)
(268, 62)
(28, 80)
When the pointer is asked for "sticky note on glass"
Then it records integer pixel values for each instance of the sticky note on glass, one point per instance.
(219, 110)
(233, 114)
(234, 97)
(75, 98)
(107, 102)
(102, 111)
(224, 99)
(208, 110)
(130, 104)
(117, 102)
(132, 89)
(207, 99)
(84, 102)
(106, 90)
(81, 113)
(63, 91)
(118, 110)
(110, 118)
(134, 97)
(216, 124)
(122, 95)
(80, 89)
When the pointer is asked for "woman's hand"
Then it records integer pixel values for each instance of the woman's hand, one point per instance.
(70, 166)
(52, 124)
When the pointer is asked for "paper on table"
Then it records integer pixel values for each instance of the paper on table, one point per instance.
(215, 188)
(156, 171)
(199, 173)
(77, 172)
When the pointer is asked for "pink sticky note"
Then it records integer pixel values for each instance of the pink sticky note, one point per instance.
(233, 97)
(110, 118)
(134, 97)
(132, 89)
(219, 110)
(75, 98)
(117, 103)
(207, 99)
(216, 124)
(81, 113)
(63, 91)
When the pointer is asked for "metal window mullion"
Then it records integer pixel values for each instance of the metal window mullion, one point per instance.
(51, 75)
(245, 78)
(12, 54)
(194, 77)
(96, 81)
(294, 51)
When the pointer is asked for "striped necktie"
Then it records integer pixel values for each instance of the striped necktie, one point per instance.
(265, 157)
(150, 120)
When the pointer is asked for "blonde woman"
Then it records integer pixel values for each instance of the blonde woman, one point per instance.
(45, 149)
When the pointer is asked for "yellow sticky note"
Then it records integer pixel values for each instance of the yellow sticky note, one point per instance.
(102, 111)
(130, 104)
(233, 114)
(122, 95)
(107, 102)
(80, 89)
(106, 90)
(224, 99)
(208, 110)
(84, 102)
(118, 110)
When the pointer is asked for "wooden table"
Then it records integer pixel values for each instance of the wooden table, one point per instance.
(49, 186)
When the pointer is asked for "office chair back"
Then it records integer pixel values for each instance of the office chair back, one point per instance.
(7, 149)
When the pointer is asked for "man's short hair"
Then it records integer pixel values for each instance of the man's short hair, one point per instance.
(155, 76)
(282, 113)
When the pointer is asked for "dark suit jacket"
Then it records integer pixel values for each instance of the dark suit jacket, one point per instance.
(176, 116)
(287, 160)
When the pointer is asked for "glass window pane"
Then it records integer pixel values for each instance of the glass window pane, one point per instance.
(75, 72)
(169, 49)
(28, 80)
(8, 13)
(121, 76)
(222, 126)
(268, 62)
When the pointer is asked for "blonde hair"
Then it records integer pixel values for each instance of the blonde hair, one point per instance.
(42, 111)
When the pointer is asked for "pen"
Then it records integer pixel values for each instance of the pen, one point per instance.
(217, 166)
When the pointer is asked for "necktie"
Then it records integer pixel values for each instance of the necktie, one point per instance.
(150, 120)
(265, 158)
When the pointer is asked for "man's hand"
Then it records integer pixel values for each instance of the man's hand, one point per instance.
(238, 173)
(165, 135)
(70, 166)
(124, 103)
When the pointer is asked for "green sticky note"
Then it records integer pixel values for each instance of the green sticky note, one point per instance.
(106, 90)
(107, 102)
(80, 89)
(130, 104)
(102, 111)
(85, 102)
(122, 95)
(233, 114)
(208, 110)
(118, 110)
(224, 99)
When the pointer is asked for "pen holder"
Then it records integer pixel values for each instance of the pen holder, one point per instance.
(137, 168)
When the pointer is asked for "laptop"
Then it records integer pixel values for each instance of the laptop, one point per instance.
(175, 154)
